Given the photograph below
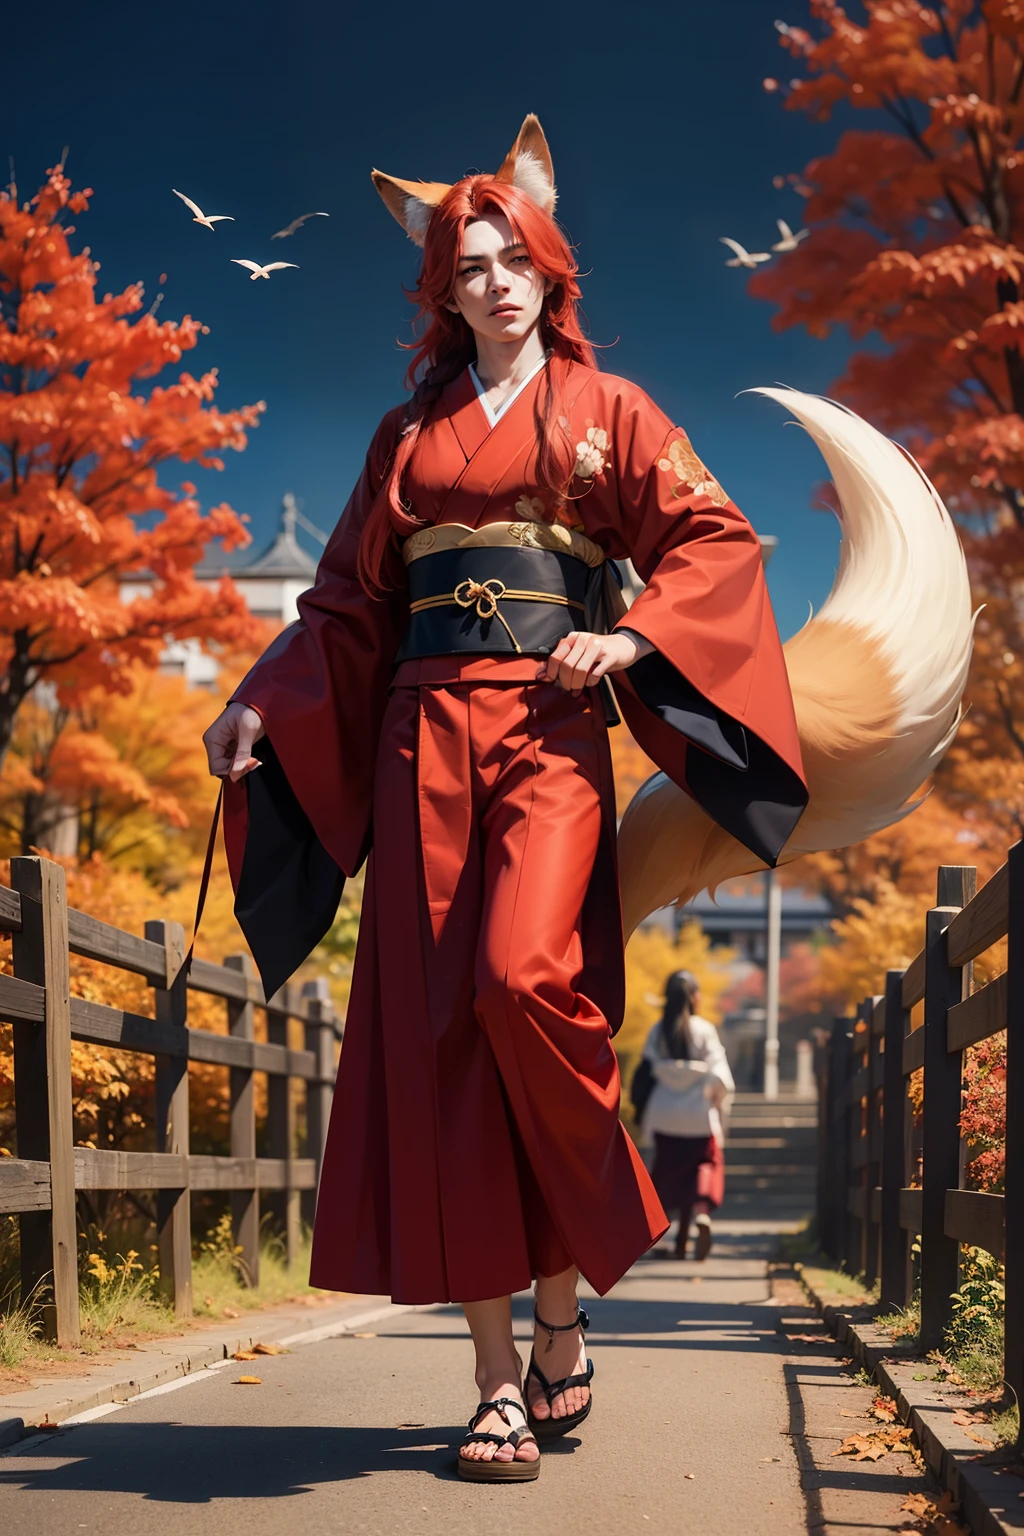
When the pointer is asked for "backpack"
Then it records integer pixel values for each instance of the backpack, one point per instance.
(641, 1088)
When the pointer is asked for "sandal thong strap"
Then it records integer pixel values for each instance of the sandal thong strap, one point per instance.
(551, 1389)
(515, 1437)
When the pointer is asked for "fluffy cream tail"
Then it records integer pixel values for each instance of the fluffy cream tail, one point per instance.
(877, 676)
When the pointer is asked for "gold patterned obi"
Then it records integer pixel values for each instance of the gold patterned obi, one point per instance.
(504, 588)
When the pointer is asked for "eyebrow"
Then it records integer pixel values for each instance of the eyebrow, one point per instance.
(518, 245)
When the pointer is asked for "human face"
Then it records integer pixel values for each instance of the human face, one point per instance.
(497, 289)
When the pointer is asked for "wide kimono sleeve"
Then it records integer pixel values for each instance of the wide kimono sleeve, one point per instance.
(711, 704)
(297, 825)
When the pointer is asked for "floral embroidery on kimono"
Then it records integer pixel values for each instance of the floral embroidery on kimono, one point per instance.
(592, 452)
(690, 473)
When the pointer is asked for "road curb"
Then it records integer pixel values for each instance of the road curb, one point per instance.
(988, 1497)
(53, 1403)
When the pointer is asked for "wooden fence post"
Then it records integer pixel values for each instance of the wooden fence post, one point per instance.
(822, 1075)
(174, 1220)
(944, 985)
(855, 1195)
(281, 1121)
(840, 1046)
(245, 1203)
(873, 1214)
(1013, 1252)
(895, 1282)
(319, 1092)
(42, 1082)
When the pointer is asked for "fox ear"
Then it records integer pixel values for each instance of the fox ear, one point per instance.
(528, 165)
(411, 202)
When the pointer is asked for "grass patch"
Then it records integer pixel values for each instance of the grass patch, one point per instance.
(800, 1247)
(838, 1283)
(1005, 1425)
(979, 1369)
(119, 1296)
(18, 1333)
(220, 1281)
(905, 1322)
(120, 1300)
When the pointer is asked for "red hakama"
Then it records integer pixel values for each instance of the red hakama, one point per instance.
(475, 1140)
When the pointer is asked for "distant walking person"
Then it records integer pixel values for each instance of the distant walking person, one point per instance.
(691, 1087)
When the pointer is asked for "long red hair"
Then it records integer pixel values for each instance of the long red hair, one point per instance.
(447, 347)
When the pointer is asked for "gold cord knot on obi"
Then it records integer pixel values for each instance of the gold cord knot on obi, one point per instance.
(485, 597)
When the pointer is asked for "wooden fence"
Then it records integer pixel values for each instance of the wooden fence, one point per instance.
(882, 1179)
(40, 1183)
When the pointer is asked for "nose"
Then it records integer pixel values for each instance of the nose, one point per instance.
(499, 280)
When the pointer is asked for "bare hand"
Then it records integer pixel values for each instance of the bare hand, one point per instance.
(580, 660)
(229, 742)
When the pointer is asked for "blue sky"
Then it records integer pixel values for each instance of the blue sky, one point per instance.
(662, 137)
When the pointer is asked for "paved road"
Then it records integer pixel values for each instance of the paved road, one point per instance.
(689, 1430)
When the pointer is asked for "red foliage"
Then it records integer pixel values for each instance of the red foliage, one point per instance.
(983, 1120)
(80, 446)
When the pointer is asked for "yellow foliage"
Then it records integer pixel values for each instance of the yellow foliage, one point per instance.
(882, 933)
(133, 766)
(630, 765)
(651, 956)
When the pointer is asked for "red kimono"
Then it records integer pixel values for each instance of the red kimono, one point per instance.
(475, 1139)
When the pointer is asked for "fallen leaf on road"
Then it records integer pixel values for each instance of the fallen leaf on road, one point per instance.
(231, 1312)
(362, 1335)
(850, 1413)
(885, 1409)
(690, 1476)
(771, 1458)
(244, 1354)
(411, 1426)
(269, 1349)
(807, 1338)
(862, 1448)
(249, 1381)
(937, 1518)
(873, 1445)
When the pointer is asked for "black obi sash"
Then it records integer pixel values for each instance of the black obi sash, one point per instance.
(499, 601)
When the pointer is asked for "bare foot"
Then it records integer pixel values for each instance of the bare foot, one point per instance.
(510, 1416)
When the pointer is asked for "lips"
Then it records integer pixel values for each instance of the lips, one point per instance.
(505, 309)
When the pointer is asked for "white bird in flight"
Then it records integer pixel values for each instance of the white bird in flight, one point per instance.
(289, 229)
(209, 220)
(258, 271)
(789, 241)
(743, 258)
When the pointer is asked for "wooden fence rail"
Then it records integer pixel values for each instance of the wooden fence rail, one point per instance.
(883, 1179)
(41, 1182)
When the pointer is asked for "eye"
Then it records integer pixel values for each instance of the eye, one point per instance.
(516, 260)
(468, 271)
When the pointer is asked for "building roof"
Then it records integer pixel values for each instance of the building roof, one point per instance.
(285, 556)
(744, 910)
(283, 560)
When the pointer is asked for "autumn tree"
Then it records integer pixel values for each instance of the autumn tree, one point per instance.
(126, 772)
(917, 240)
(83, 434)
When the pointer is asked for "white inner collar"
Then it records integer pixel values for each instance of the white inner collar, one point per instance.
(494, 415)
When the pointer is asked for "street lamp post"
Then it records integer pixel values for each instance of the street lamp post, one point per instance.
(773, 936)
(773, 924)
